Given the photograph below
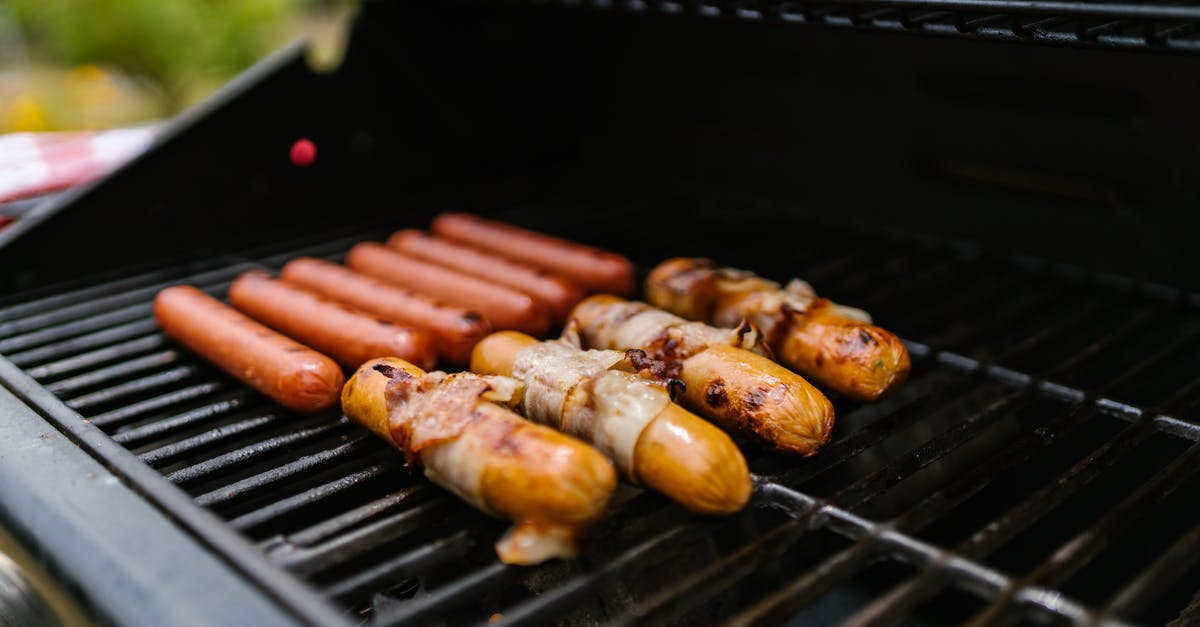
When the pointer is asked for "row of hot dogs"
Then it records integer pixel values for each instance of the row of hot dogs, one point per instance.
(397, 308)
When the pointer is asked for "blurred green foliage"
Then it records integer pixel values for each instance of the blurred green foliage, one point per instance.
(170, 42)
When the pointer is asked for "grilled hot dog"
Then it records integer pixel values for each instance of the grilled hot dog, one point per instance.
(549, 484)
(350, 336)
(454, 330)
(593, 396)
(594, 269)
(296, 376)
(504, 308)
(555, 292)
(834, 345)
(738, 389)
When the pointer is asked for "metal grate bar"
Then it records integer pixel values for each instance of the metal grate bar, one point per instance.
(93, 322)
(1083, 547)
(955, 307)
(572, 592)
(171, 452)
(947, 442)
(1024, 514)
(309, 560)
(82, 309)
(421, 559)
(229, 403)
(985, 581)
(123, 350)
(108, 395)
(900, 264)
(904, 598)
(441, 600)
(885, 477)
(75, 345)
(324, 530)
(1158, 577)
(721, 569)
(811, 585)
(1029, 301)
(103, 320)
(269, 513)
(250, 454)
(59, 299)
(877, 482)
(843, 449)
(274, 476)
(887, 295)
(121, 370)
(129, 412)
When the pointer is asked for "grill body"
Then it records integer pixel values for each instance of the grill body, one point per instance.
(1013, 209)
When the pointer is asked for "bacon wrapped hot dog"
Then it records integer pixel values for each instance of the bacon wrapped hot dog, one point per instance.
(596, 396)
(836, 346)
(550, 485)
(742, 391)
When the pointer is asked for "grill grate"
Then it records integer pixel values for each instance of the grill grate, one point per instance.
(1160, 26)
(1036, 466)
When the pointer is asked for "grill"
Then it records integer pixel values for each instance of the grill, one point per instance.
(1037, 468)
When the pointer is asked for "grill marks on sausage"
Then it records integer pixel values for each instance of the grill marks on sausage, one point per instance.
(714, 393)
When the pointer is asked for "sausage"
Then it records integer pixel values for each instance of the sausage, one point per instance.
(550, 485)
(348, 335)
(503, 307)
(740, 390)
(555, 292)
(834, 345)
(294, 375)
(653, 441)
(594, 269)
(454, 330)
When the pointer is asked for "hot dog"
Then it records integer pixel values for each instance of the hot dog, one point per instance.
(555, 292)
(549, 484)
(593, 396)
(348, 335)
(294, 375)
(740, 390)
(504, 308)
(834, 345)
(454, 330)
(594, 269)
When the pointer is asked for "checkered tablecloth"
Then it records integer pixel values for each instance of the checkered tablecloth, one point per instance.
(32, 164)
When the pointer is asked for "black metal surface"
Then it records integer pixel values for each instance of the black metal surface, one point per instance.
(1164, 26)
(1079, 154)
(1036, 467)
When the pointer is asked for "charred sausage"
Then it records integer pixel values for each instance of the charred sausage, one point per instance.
(594, 269)
(550, 485)
(296, 376)
(834, 345)
(348, 335)
(555, 292)
(740, 390)
(504, 308)
(454, 330)
(594, 396)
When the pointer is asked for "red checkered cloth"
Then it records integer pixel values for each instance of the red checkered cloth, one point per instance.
(37, 163)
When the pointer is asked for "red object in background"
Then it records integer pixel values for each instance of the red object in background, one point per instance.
(4, 220)
(303, 153)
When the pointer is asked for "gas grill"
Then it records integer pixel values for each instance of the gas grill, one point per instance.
(1007, 195)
